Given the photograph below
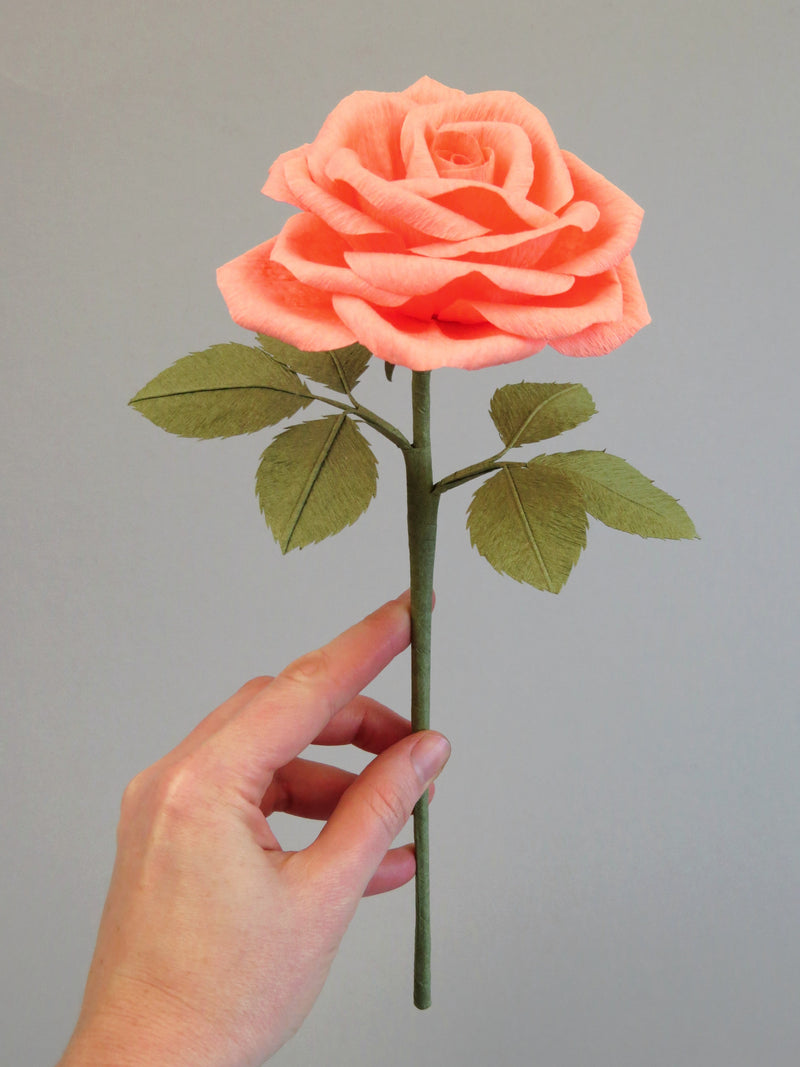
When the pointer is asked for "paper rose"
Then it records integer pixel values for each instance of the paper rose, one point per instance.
(436, 229)
(440, 228)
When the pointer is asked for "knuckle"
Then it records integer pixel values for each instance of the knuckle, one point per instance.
(308, 669)
(132, 796)
(178, 788)
(388, 806)
(255, 685)
(310, 675)
(135, 804)
(165, 797)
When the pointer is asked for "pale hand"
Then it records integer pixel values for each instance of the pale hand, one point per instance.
(214, 943)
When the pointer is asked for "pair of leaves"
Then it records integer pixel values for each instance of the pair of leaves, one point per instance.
(529, 520)
(315, 478)
(232, 389)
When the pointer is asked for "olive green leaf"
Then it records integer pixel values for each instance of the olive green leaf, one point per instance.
(618, 495)
(388, 370)
(338, 368)
(315, 479)
(530, 523)
(533, 411)
(225, 390)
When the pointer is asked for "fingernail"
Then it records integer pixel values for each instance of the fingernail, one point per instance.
(429, 755)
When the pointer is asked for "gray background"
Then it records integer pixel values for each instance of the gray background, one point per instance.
(616, 863)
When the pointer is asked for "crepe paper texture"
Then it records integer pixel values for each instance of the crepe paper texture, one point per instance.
(436, 229)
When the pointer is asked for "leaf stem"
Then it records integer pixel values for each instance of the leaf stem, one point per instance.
(423, 506)
(370, 418)
(475, 470)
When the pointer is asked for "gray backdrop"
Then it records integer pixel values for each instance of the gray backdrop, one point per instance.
(616, 866)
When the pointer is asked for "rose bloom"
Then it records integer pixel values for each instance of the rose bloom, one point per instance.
(442, 229)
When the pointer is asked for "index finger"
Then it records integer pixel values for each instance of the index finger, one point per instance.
(286, 716)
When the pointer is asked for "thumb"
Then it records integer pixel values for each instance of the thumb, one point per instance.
(374, 809)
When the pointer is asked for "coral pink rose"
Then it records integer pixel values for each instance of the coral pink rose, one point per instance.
(442, 229)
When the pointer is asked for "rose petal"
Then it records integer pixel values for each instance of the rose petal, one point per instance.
(416, 137)
(332, 209)
(551, 187)
(428, 91)
(263, 296)
(415, 144)
(493, 208)
(428, 345)
(277, 186)
(581, 214)
(457, 154)
(315, 255)
(417, 275)
(590, 301)
(483, 203)
(604, 337)
(611, 240)
(397, 207)
(368, 123)
(458, 311)
(513, 159)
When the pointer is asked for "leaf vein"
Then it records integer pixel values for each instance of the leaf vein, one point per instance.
(515, 437)
(526, 526)
(220, 389)
(307, 489)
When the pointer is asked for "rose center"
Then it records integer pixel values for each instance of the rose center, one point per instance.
(457, 154)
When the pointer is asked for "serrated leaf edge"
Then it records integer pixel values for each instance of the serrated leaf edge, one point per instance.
(569, 386)
(330, 352)
(576, 478)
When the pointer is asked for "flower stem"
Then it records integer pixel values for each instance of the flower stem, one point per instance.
(423, 505)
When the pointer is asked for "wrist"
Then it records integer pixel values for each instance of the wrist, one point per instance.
(131, 1040)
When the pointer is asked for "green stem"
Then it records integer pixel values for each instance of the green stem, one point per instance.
(423, 505)
(369, 417)
(466, 474)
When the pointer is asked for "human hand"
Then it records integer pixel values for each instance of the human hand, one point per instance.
(214, 943)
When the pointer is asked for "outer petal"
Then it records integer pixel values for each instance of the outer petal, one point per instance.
(263, 296)
(604, 337)
(368, 123)
(276, 186)
(315, 255)
(428, 345)
(612, 238)
(428, 91)
(595, 300)
(340, 215)
(418, 275)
